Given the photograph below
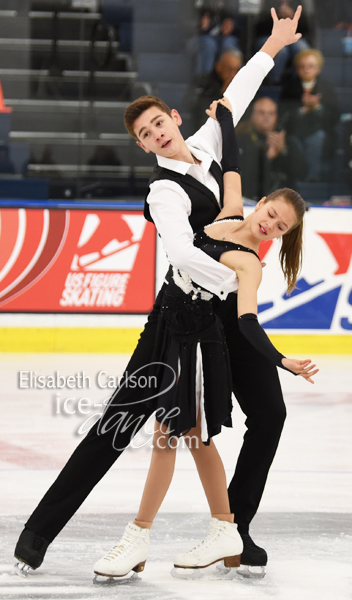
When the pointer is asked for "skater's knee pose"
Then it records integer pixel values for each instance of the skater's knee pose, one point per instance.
(190, 341)
(185, 194)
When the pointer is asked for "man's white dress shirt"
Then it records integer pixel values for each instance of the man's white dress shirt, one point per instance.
(169, 204)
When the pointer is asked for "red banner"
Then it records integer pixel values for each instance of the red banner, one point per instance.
(76, 261)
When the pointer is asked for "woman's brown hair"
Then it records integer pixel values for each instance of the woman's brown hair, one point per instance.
(136, 108)
(291, 242)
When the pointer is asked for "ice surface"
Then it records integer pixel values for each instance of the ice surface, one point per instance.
(305, 518)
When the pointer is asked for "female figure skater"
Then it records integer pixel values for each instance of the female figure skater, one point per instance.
(191, 341)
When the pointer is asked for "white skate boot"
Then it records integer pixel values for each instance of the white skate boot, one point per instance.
(129, 554)
(222, 543)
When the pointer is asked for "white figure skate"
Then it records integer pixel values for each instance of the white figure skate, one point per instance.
(129, 554)
(223, 543)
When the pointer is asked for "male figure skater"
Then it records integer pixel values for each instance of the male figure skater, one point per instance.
(185, 194)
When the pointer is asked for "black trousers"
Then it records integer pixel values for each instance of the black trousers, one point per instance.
(257, 388)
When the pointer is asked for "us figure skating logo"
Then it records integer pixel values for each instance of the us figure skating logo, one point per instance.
(76, 261)
(322, 299)
(100, 270)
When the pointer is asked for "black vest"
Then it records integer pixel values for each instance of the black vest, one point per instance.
(205, 207)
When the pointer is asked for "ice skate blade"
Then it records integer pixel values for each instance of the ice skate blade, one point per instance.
(248, 572)
(180, 573)
(106, 580)
(242, 572)
(226, 572)
(22, 569)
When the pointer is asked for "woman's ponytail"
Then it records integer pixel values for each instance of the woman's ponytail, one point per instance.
(291, 255)
(292, 242)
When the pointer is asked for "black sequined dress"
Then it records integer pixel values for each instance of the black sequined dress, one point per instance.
(191, 343)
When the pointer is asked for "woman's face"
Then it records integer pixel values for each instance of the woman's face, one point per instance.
(308, 68)
(273, 219)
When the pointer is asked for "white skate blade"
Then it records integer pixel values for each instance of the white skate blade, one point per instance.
(180, 573)
(242, 572)
(106, 580)
(22, 569)
(223, 572)
(248, 572)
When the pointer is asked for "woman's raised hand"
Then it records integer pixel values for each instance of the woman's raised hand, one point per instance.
(304, 368)
(211, 111)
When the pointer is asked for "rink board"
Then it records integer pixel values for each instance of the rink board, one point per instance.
(86, 261)
(315, 318)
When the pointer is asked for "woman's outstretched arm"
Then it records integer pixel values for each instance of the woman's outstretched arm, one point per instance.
(249, 273)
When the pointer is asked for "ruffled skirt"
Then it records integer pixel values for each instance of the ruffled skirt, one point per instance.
(192, 366)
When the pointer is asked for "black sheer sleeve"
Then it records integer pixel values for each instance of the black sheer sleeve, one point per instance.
(230, 152)
(255, 334)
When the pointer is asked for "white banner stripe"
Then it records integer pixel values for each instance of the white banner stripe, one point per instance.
(22, 220)
(36, 256)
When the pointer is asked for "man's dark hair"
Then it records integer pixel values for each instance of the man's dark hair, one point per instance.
(134, 110)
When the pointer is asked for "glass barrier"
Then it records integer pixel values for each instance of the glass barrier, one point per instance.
(69, 68)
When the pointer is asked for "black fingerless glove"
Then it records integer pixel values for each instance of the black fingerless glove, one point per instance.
(255, 334)
(230, 152)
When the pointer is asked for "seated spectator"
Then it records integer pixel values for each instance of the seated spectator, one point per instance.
(217, 33)
(285, 9)
(214, 84)
(270, 159)
(311, 113)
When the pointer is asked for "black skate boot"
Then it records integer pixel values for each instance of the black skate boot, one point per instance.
(253, 559)
(30, 551)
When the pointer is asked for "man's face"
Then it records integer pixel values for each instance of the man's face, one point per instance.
(308, 68)
(228, 66)
(227, 26)
(264, 115)
(158, 132)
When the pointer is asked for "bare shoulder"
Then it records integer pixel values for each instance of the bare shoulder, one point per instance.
(246, 264)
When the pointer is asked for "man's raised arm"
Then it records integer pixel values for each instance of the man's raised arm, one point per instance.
(245, 84)
(283, 34)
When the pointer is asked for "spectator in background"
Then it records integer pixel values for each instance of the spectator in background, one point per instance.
(284, 9)
(214, 84)
(270, 159)
(311, 112)
(217, 33)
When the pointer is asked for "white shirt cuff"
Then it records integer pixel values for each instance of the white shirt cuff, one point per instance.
(229, 285)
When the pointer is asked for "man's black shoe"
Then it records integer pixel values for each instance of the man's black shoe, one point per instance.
(252, 554)
(31, 548)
